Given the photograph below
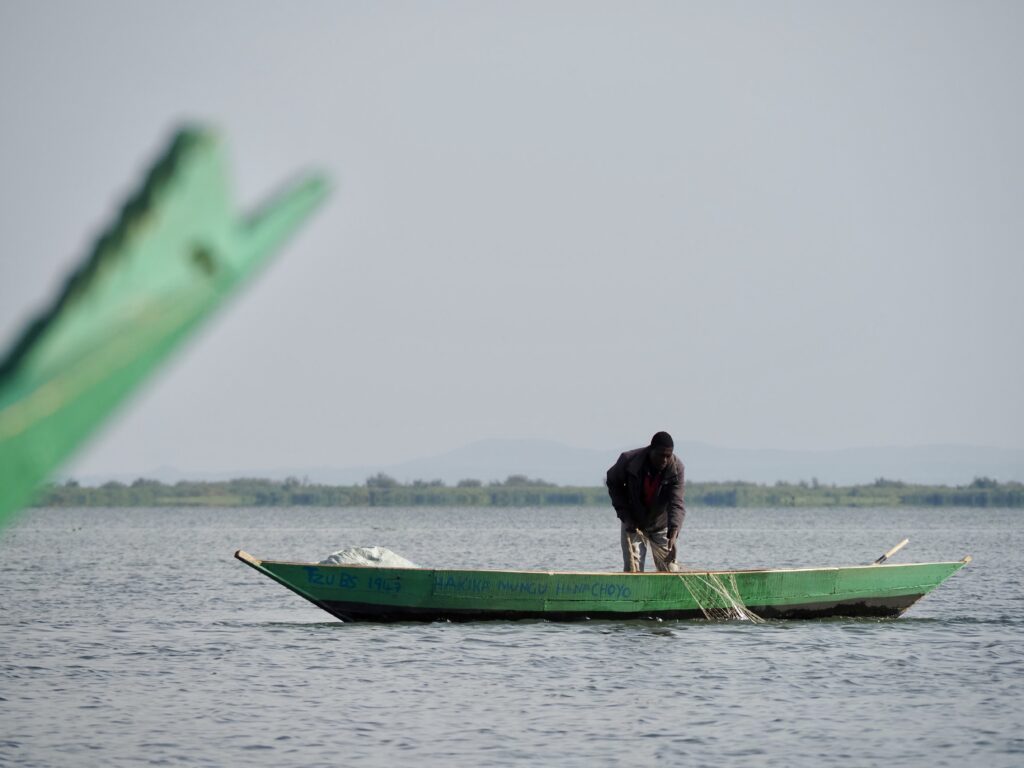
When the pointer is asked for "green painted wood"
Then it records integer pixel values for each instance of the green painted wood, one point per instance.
(358, 592)
(175, 253)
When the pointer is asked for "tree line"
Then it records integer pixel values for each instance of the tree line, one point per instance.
(515, 491)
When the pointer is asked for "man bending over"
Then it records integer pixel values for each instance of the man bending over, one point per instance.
(646, 488)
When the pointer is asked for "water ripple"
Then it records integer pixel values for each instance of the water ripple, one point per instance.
(122, 660)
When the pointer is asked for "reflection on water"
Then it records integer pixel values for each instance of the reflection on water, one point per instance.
(133, 635)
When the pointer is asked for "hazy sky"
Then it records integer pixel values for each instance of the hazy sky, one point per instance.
(786, 225)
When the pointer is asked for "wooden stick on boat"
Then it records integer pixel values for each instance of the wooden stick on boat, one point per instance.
(634, 567)
(891, 552)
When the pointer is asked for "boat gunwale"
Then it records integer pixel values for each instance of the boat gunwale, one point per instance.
(252, 560)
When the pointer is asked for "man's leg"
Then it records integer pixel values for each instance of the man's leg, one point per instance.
(664, 559)
(634, 551)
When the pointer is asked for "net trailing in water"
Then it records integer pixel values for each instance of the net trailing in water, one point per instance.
(718, 597)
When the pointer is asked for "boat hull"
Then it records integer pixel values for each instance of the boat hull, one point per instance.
(879, 608)
(361, 593)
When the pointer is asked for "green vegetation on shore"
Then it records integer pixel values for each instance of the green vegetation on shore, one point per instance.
(516, 491)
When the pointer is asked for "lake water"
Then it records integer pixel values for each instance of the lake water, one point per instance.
(133, 637)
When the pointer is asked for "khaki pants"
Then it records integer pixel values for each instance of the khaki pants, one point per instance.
(635, 545)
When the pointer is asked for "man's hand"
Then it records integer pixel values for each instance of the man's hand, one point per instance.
(672, 537)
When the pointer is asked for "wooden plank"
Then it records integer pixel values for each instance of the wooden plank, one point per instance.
(891, 552)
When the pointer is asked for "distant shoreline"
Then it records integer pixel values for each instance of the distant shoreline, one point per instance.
(516, 491)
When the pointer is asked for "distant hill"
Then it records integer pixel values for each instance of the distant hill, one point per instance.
(562, 464)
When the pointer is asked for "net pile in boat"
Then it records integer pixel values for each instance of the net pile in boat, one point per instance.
(718, 597)
(379, 557)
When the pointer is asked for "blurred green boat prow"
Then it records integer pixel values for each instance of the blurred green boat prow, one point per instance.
(176, 251)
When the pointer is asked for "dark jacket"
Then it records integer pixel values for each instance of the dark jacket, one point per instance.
(625, 483)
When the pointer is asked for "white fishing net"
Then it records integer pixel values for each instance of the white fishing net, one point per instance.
(718, 597)
(380, 557)
(716, 594)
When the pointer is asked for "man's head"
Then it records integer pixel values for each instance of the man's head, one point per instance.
(660, 451)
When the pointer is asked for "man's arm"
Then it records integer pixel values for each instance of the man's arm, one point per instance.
(615, 479)
(676, 506)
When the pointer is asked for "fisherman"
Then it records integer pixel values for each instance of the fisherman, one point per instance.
(646, 488)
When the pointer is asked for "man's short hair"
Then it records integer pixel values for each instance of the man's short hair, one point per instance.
(662, 440)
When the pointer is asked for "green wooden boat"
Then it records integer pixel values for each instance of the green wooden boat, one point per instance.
(366, 593)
